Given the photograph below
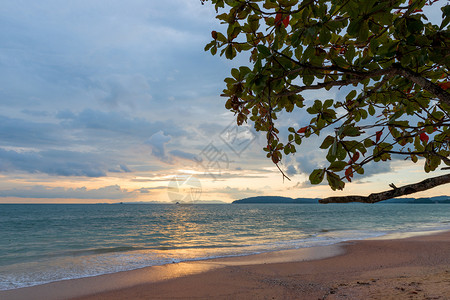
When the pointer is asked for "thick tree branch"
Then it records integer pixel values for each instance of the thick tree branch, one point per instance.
(396, 192)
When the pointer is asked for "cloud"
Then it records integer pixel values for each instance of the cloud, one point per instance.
(115, 123)
(237, 193)
(158, 143)
(40, 192)
(90, 81)
(121, 168)
(123, 89)
(374, 168)
(88, 143)
(291, 170)
(184, 155)
(308, 161)
(301, 185)
(148, 190)
(56, 162)
(20, 132)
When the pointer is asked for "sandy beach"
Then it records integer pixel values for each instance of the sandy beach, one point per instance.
(410, 268)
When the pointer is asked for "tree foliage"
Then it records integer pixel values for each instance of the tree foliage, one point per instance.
(391, 59)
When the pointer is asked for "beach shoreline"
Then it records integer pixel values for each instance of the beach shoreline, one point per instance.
(417, 266)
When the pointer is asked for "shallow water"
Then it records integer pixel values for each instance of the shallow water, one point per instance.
(44, 243)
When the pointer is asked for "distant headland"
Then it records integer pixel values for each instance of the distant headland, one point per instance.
(288, 200)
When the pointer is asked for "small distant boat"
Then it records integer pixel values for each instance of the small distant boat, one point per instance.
(182, 203)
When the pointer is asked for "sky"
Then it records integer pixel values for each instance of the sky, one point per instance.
(116, 101)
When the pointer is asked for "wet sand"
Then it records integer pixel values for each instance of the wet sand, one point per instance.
(410, 268)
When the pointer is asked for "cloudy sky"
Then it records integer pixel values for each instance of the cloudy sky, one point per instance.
(109, 101)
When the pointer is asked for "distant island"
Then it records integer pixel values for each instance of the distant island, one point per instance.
(276, 200)
(288, 200)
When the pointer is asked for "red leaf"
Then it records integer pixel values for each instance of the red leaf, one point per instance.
(302, 130)
(349, 174)
(278, 19)
(286, 21)
(214, 34)
(378, 135)
(275, 158)
(355, 157)
(424, 137)
(444, 85)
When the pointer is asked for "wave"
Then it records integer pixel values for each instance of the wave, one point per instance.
(102, 250)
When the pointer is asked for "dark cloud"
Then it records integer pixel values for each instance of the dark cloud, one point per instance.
(121, 168)
(115, 123)
(40, 191)
(158, 143)
(308, 161)
(184, 155)
(291, 170)
(23, 133)
(374, 168)
(56, 162)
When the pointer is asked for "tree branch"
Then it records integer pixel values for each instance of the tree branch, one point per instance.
(424, 83)
(361, 76)
(405, 190)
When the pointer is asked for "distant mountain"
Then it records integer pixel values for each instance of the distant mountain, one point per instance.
(210, 202)
(287, 200)
(275, 200)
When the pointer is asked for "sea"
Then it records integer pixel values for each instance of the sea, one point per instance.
(41, 243)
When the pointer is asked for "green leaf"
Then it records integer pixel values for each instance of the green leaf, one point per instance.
(445, 16)
(350, 53)
(363, 32)
(327, 142)
(350, 95)
(371, 110)
(368, 143)
(354, 27)
(359, 170)
(317, 176)
(235, 73)
(334, 181)
(350, 130)
(327, 103)
(337, 166)
(264, 51)
(414, 25)
(230, 53)
(208, 46)
(325, 36)
(308, 79)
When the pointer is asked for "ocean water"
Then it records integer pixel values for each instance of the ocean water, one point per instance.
(45, 243)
